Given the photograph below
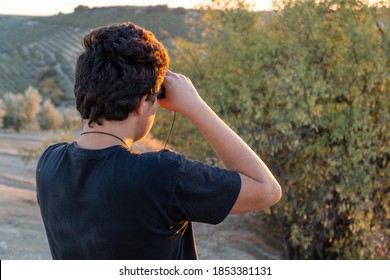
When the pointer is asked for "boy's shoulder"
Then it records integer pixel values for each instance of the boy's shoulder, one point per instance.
(164, 154)
(163, 157)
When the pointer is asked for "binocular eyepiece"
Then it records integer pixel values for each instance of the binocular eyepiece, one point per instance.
(161, 93)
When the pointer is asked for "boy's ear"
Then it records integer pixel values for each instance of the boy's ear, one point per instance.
(141, 105)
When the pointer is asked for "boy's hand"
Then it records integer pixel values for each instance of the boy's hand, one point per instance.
(180, 94)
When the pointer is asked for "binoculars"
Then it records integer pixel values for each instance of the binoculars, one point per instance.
(161, 93)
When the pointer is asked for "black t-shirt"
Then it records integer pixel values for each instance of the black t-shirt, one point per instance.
(115, 204)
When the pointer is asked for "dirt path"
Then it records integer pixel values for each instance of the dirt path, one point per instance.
(22, 234)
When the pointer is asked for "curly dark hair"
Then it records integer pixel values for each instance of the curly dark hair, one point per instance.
(121, 64)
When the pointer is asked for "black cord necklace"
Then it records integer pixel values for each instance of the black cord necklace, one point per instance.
(106, 133)
(170, 131)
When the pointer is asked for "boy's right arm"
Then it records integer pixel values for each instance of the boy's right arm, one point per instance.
(259, 188)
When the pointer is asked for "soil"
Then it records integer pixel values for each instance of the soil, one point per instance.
(22, 235)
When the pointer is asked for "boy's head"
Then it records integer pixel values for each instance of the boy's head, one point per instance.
(121, 64)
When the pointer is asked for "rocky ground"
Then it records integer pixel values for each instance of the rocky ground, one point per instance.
(22, 236)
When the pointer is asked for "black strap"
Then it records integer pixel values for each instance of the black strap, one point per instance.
(106, 133)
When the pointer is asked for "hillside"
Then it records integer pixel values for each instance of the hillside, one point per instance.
(41, 51)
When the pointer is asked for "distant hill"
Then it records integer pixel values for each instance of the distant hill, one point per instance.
(41, 51)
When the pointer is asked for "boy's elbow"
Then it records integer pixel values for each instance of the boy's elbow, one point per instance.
(275, 193)
(255, 195)
(272, 194)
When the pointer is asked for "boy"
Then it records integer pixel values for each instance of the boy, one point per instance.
(101, 200)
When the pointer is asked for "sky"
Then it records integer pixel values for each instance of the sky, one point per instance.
(53, 7)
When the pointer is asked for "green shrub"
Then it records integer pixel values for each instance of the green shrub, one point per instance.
(307, 87)
(22, 110)
(71, 119)
(49, 117)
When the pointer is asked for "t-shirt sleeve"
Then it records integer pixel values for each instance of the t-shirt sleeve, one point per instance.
(204, 193)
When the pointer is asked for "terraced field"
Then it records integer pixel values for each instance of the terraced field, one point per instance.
(34, 48)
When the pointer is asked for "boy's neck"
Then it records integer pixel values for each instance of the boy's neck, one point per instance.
(110, 133)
